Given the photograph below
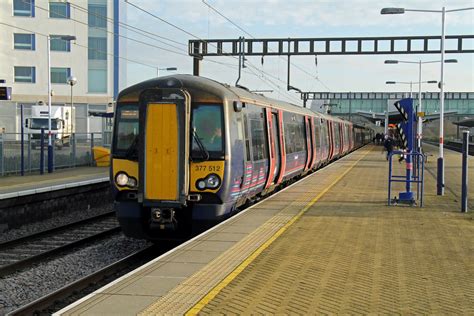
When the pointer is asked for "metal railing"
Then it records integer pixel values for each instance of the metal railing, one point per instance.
(77, 152)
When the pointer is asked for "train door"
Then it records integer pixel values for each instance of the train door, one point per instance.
(317, 140)
(272, 140)
(281, 137)
(341, 137)
(325, 143)
(277, 147)
(163, 150)
(309, 143)
(331, 139)
(316, 151)
(247, 177)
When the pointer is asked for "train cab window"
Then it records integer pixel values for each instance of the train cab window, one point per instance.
(127, 128)
(207, 129)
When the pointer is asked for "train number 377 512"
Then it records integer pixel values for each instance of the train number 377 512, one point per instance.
(208, 168)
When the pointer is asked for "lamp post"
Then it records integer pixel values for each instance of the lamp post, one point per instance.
(443, 11)
(403, 82)
(420, 120)
(167, 69)
(50, 140)
(71, 80)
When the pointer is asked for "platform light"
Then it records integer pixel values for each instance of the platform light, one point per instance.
(165, 69)
(50, 140)
(392, 11)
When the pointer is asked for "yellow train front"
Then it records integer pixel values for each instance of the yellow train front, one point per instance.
(188, 151)
(168, 157)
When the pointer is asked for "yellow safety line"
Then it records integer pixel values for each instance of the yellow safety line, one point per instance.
(230, 277)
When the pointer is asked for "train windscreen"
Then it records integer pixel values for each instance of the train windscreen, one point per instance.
(126, 132)
(207, 131)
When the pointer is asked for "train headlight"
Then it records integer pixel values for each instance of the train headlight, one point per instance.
(132, 182)
(121, 179)
(201, 184)
(213, 181)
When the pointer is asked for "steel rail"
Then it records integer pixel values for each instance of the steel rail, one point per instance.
(50, 300)
(9, 268)
(10, 243)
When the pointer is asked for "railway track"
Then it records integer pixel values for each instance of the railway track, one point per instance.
(54, 301)
(60, 298)
(23, 252)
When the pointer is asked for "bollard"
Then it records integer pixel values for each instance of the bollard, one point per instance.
(50, 152)
(439, 178)
(2, 160)
(92, 147)
(465, 161)
(42, 152)
(29, 152)
(22, 171)
(73, 138)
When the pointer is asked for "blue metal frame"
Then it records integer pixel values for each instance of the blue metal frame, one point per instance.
(412, 157)
(418, 178)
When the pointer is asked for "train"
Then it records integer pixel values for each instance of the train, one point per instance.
(189, 152)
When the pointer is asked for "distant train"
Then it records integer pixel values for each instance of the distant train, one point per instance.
(188, 151)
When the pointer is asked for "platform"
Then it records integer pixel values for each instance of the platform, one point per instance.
(328, 244)
(13, 186)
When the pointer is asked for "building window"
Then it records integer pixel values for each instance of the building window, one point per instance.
(97, 15)
(59, 45)
(97, 81)
(24, 41)
(24, 8)
(60, 75)
(59, 10)
(25, 74)
(98, 48)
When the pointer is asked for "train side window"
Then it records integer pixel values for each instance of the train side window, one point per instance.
(301, 134)
(338, 135)
(289, 138)
(259, 147)
(295, 133)
(324, 134)
(317, 135)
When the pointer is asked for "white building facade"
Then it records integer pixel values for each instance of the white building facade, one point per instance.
(92, 57)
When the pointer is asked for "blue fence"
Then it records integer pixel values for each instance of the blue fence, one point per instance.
(77, 153)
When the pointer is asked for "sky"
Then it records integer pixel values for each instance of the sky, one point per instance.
(297, 19)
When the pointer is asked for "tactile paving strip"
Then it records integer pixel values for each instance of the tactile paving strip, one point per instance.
(180, 299)
(350, 254)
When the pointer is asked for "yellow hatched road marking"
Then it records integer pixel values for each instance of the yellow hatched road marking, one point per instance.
(231, 276)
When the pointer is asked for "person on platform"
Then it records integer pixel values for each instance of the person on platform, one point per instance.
(388, 145)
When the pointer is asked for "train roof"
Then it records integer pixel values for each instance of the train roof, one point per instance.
(222, 90)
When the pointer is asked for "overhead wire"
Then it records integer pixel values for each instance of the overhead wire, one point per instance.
(126, 37)
(119, 35)
(137, 30)
(132, 28)
(243, 30)
(179, 28)
(132, 39)
(80, 45)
